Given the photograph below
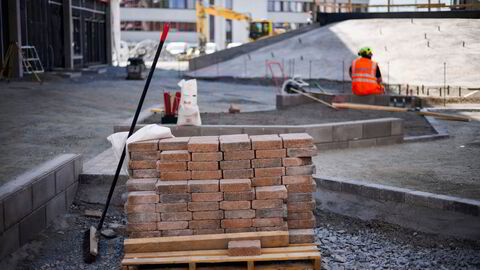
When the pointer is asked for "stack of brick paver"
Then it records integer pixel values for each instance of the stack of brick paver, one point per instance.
(222, 184)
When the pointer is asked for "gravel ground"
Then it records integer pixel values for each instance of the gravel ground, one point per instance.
(59, 116)
(345, 243)
(312, 113)
(348, 243)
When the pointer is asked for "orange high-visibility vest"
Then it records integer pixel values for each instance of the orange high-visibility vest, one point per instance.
(364, 80)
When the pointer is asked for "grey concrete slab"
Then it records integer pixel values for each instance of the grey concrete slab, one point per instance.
(64, 177)
(17, 206)
(43, 189)
(321, 134)
(362, 143)
(9, 240)
(397, 127)
(55, 207)
(26, 178)
(31, 225)
(377, 129)
(348, 131)
(71, 192)
(424, 199)
(78, 163)
(437, 221)
(270, 130)
(331, 146)
(389, 140)
(185, 131)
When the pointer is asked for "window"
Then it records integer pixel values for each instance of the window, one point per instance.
(271, 6)
(177, 3)
(183, 4)
(76, 36)
(292, 6)
(289, 6)
(229, 4)
(191, 4)
(157, 26)
(229, 31)
(277, 6)
(299, 7)
(211, 24)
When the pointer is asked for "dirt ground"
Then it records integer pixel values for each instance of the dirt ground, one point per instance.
(59, 116)
(449, 166)
(312, 113)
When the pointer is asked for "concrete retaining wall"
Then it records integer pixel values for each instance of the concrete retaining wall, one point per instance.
(34, 199)
(285, 101)
(351, 134)
(423, 211)
(327, 18)
(228, 54)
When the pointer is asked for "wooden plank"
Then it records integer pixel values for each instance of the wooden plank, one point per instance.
(250, 265)
(356, 106)
(224, 259)
(219, 252)
(203, 242)
(294, 265)
(93, 241)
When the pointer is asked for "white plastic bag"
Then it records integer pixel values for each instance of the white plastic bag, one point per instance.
(148, 132)
(188, 112)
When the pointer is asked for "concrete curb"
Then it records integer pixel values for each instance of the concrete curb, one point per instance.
(31, 201)
(402, 195)
(442, 132)
(424, 211)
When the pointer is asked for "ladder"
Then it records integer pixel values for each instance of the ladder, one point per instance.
(30, 61)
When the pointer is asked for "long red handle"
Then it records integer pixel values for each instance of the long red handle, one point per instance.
(166, 28)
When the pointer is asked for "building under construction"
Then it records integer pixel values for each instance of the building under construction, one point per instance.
(67, 34)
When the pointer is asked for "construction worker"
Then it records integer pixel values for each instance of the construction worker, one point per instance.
(365, 74)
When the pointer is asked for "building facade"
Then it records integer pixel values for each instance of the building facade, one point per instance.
(341, 6)
(67, 34)
(144, 19)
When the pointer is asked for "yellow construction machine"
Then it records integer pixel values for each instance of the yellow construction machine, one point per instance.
(257, 28)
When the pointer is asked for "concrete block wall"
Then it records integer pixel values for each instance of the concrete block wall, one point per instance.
(418, 210)
(290, 100)
(222, 184)
(34, 199)
(339, 135)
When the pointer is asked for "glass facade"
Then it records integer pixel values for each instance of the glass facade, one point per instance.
(179, 4)
(157, 26)
(289, 6)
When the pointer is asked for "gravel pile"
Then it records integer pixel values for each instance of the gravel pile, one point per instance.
(352, 244)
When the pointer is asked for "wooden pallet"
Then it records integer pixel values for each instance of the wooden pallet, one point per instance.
(291, 257)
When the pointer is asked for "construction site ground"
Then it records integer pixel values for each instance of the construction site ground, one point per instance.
(76, 116)
(313, 113)
(40, 121)
(345, 243)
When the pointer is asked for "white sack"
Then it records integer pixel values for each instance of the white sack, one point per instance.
(188, 111)
(148, 132)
